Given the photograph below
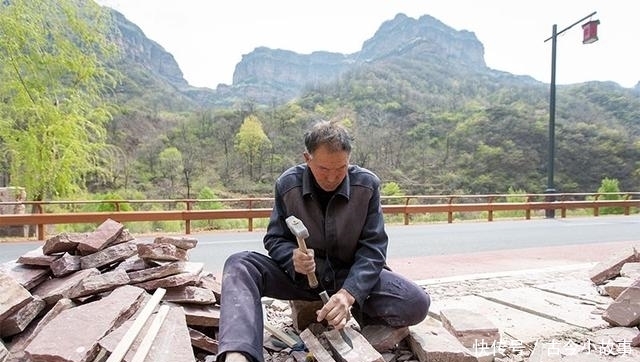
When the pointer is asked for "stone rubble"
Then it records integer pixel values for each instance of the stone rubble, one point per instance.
(74, 299)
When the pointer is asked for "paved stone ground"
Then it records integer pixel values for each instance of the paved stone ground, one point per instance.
(586, 343)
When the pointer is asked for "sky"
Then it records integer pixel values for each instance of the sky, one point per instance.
(209, 37)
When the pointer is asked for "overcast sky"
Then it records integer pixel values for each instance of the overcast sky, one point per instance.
(209, 37)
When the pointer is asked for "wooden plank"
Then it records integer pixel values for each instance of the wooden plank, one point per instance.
(513, 324)
(152, 332)
(125, 343)
(549, 305)
(284, 337)
(315, 347)
(362, 351)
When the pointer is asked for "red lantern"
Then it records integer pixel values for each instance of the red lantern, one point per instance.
(590, 31)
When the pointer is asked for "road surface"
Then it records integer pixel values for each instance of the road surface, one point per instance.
(438, 250)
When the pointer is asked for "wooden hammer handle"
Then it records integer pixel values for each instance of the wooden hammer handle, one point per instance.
(313, 281)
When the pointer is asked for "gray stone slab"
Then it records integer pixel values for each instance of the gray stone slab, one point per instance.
(576, 288)
(550, 305)
(581, 351)
(512, 323)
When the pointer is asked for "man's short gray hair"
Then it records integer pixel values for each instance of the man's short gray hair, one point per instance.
(330, 134)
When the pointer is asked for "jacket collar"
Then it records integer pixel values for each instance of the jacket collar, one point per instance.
(307, 184)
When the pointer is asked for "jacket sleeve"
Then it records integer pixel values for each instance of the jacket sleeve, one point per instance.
(371, 253)
(278, 240)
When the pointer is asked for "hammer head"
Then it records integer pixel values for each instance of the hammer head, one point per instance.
(297, 227)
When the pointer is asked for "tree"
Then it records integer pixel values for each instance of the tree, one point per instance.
(52, 114)
(250, 142)
(171, 166)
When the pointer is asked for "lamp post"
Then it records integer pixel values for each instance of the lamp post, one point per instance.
(589, 36)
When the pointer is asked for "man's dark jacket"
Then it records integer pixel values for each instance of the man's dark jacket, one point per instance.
(349, 240)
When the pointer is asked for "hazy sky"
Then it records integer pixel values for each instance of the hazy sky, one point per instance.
(209, 37)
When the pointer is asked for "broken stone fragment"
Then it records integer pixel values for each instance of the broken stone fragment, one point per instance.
(124, 237)
(157, 272)
(175, 280)
(166, 252)
(19, 342)
(189, 295)
(19, 320)
(384, 338)
(201, 315)
(63, 243)
(13, 296)
(610, 268)
(110, 255)
(202, 341)
(26, 275)
(469, 327)
(209, 281)
(625, 310)
(36, 257)
(183, 242)
(616, 286)
(429, 341)
(102, 236)
(66, 265)
(99, 283)
(55, 289)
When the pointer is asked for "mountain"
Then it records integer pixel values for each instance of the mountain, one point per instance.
(267, 76)
(426, 111)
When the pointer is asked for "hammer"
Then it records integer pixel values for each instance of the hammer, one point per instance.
(300, 231)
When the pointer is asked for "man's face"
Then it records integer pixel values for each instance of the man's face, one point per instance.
(328, 168)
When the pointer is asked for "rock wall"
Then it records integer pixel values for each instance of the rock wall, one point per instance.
(13, 194)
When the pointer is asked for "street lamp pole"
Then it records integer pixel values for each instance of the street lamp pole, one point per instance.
(550, 213)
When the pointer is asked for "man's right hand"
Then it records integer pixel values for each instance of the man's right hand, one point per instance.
(303, 263)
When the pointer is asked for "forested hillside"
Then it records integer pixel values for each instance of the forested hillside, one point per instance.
(425, 112)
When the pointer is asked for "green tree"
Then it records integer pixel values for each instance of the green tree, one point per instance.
(251, 142)
(171, 166)
(610, 188)
(52, 114)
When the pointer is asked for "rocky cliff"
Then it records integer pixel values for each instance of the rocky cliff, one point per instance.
(268, 76)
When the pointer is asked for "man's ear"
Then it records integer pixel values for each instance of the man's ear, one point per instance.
(307, 156)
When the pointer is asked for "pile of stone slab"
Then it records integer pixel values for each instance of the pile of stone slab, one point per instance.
(618, 276)
(79, 297)
(107, 296)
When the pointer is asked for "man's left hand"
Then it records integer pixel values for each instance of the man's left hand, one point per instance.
(337, 310)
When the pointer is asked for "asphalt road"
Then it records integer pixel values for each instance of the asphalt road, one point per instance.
(416, 242)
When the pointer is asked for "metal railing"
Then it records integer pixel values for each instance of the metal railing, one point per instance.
(188, 210)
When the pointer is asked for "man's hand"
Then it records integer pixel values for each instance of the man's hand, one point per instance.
(337, 310)
(303, 263)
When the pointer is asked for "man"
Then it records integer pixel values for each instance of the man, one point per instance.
(340, 206)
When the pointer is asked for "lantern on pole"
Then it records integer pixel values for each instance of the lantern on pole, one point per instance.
(590, 31)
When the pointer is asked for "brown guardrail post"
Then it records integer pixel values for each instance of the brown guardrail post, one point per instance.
(406, 211)
(250, 218)
(40, 210)
(187, 222)
(596, 209)
(527, 211)
(490, 207)
(627, 208)
(450, 211)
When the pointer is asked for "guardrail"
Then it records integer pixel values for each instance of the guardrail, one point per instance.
(256, 208)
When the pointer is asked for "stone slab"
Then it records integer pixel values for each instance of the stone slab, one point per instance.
(576, 288)
(431, 342)
(550, 305)
(512, 323)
